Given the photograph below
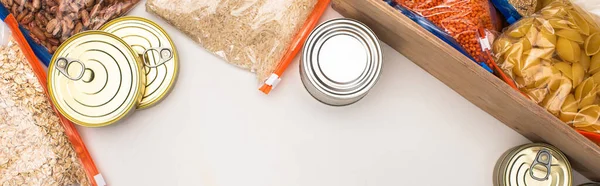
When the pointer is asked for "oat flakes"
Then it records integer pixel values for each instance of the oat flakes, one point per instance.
(34, 149)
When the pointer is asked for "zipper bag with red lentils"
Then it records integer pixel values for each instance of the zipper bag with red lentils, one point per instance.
(461, 19)
(470, 24)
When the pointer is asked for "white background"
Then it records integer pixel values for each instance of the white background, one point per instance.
(217, 129)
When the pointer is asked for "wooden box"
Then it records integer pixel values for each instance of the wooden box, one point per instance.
(473, 82)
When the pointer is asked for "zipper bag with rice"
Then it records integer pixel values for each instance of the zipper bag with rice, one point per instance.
(262, 36)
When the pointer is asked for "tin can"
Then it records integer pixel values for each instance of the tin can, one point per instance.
(341, 62)
(157, 51)
(533, 164)
(95, 79)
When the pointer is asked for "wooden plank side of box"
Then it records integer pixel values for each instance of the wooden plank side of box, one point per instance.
(472, 82)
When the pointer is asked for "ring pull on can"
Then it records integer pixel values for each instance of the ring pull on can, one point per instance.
(164, 54)
(111, 87)
(157, 52)
(63, 64)
(544, 158)
(535, 164)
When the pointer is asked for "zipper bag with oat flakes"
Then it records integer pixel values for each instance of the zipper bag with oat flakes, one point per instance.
(38, 146)
(263, 36)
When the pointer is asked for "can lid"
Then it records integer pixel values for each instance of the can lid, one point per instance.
(157, 51)
(342, 58)
(95, 79)
(535, 164)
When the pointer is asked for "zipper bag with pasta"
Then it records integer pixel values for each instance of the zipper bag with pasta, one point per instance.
(553, 57)
(38, 146)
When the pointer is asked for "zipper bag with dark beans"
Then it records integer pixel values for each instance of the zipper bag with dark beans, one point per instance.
(48, 23)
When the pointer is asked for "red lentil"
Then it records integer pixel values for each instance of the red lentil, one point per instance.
(459, 18)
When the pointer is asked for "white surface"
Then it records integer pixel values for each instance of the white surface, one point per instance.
(217, 129)
(593, 6)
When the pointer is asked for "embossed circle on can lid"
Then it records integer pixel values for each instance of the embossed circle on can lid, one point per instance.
(157, 51)
(95, 79)
(536, 165)
(341, 61)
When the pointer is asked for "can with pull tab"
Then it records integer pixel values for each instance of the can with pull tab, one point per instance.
(534, 164)
(157, 51)
(95, 79)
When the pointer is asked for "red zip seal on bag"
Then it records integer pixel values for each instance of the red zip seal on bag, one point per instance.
(295, 46)
(83, 155)
(485, 43)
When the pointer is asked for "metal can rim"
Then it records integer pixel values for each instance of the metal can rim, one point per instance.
(366, 83)
(502, 163)
(323, 101)
(175, 57)
(130, 108)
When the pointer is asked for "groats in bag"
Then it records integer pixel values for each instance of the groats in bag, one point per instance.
(553, 56)
(514, 10)
(51, 22)
(260, 35)
(460, 18)
(37, 145)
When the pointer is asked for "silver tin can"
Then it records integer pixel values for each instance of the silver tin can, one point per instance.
(341, 62)
(534, 164)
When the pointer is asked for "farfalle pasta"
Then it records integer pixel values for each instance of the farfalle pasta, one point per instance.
(554, 58)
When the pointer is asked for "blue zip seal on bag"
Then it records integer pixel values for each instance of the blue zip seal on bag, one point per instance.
(507, 10)
(432, 28)
(40, 51)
